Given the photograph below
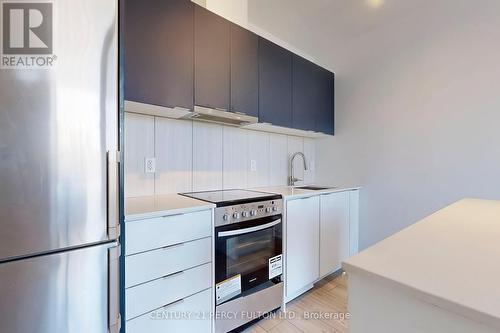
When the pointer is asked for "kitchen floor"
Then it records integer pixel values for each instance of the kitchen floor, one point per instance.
(328, 299)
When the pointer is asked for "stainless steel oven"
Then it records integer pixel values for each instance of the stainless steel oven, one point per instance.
(250, 251)
(248, 255)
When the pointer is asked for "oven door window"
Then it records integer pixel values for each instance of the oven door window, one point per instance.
(245, 249)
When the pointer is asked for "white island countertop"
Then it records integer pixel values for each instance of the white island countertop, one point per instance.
(450, 259)
(291, 192)
(138, 208)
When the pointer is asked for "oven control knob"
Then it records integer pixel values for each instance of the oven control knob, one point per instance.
(225, 217)
(236, 215)
(253, 212)
(268, 209)
(275, 208)
(244, 214)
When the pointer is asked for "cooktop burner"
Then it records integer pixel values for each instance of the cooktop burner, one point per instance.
(231, 197)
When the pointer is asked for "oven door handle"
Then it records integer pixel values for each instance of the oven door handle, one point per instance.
(248, 230)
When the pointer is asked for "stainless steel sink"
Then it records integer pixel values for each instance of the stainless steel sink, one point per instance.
(314, 188)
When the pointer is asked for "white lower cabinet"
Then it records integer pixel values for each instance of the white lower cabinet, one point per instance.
(321, 232)
(334, 231)
(155, 294)
(191, 314)
(147, 266)
(302, 245)
(169, 274)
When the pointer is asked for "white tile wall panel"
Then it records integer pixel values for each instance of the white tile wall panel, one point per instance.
(296, 144)
(235, 157)
(310, 152)
(207, 156)
(258, 156)
(174, 155)
(139, 144)
(197, 156)
(278, 160)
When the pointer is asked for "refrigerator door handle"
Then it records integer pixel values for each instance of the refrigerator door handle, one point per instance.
(114, 317)
(113, 160)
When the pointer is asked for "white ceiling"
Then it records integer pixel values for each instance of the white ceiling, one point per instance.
(340, 34)
(325, 29)
(321, 30)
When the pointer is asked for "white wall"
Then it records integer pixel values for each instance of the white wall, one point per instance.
(197, 156)
(418, 114)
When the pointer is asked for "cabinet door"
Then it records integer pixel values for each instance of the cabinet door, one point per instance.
(334, 231)
(325, 116)
(305, 94)
(302, 244)
(211, 59)
(244, 71)
(159, 52)
(275, 84)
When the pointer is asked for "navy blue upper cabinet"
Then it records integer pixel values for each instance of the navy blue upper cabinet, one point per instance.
(211, 59)
(325, 116)
(244, 71)
(159, 52)
(306, 94)
(275, 84)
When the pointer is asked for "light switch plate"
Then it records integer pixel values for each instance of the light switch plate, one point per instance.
(150, 165)
(253, 165)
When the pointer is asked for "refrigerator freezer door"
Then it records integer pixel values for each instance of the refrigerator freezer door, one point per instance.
(58, 137)
(73, 291)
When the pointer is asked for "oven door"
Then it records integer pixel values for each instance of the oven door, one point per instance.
(248, 255)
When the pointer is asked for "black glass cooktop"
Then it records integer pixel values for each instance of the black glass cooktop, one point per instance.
(232, 197)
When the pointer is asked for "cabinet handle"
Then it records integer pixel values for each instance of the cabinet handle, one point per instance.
(173, 275)
(172, 215)
(173, 246)
(242, 113)
(173, 303)
(221, 109)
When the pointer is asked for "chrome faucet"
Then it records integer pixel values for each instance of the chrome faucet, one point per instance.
(291, 179)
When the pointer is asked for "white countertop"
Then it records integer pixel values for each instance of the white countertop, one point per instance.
(450, 259)
(290, 192)
(139, 208)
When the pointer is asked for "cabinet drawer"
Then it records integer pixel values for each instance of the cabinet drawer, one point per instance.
(170, 318)
(154, 264)
(150, 234)
(155, 294)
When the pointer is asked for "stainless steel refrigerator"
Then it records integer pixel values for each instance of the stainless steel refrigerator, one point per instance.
(59, 225)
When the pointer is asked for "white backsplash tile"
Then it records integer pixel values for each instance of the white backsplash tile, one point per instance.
(207, 156)
(310, 152)
(258, 159)
(174, 155)
(296, 144)
(278, 160)
(139, 145)
(198, 156)
(235, 157)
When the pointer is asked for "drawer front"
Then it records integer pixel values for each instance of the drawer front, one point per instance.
(196, 308)
(155, 294)
(150, 234)
(147, 266)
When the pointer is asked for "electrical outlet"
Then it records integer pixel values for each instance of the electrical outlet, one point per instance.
(253, 165)
(150, 165)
